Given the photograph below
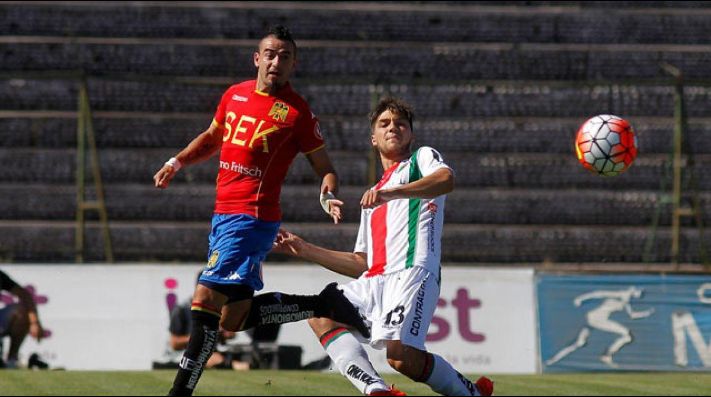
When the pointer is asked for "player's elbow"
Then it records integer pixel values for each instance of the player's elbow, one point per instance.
(356, 273)
(360, 260)
(447, 182)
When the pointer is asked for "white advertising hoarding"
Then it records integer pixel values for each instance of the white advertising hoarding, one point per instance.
(116, 317)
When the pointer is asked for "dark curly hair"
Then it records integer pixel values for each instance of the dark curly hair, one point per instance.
(394, 105)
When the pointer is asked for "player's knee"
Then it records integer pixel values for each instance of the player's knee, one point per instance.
(403, 368)
(321, 324)
(397, 365)
(406, 360)
(230, 325)
(317, 323)
(396, 359)
(175, 345)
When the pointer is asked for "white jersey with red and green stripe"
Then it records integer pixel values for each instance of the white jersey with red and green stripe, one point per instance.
(405, 233)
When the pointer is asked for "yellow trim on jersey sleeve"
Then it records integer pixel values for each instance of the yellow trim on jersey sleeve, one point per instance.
(216, 123)
(316, 150)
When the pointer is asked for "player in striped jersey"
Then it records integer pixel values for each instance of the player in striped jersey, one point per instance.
(396, 262)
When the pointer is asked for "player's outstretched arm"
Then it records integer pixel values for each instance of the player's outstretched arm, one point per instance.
(323, 167)
(346, 263)
(200, 149)
(436, 184)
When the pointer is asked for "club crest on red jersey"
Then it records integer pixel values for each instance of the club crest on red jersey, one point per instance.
(279, 111)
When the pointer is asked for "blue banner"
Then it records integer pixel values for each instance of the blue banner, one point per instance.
(624, 323)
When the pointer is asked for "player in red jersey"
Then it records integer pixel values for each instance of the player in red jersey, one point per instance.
(259, 128)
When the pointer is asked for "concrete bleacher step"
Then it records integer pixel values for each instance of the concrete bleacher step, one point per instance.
(58, 166)
(396, 22)
(348, 133)
(353, 61)
(476, 99)
(589, 4)
(482, 243)
(504, 170)
(195, 203)
(54, 241)
(33, 241)
(124, 130)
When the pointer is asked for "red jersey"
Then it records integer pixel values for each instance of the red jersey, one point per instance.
(262, 136)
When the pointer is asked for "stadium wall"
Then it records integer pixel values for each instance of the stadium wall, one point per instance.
(115, 317)
(489, 320)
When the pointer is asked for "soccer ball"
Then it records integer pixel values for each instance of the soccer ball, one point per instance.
(606, 145)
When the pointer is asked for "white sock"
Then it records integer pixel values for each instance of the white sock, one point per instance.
(447, 381)
(352, 360)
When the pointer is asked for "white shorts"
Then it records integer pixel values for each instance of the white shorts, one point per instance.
(396, 306)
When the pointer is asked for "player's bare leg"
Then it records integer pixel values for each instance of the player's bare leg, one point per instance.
(435, 371)
(406, 360)
(234, 314)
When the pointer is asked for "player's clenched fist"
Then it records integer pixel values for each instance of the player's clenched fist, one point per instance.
(373, 198)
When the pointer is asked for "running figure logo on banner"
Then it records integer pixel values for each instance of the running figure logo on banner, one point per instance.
(599, 318)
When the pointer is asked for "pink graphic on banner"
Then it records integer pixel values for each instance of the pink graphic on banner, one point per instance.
(464, 305)
(171, 299)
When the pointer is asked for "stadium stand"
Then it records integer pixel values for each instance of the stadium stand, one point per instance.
(368, 61)
(499, 89)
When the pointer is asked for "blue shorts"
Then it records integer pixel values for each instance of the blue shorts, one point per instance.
(5, 314)
(238, 245)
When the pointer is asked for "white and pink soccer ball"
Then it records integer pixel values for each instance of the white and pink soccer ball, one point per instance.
(606, 145)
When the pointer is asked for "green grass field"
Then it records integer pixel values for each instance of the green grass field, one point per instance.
(301, 383)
